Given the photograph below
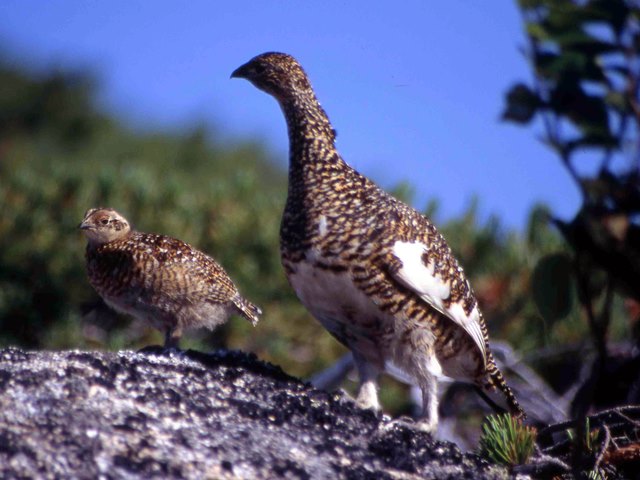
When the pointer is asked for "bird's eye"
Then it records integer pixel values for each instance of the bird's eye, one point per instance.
(259, 68)
(104, 221)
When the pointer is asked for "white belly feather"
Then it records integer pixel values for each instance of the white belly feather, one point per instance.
(329, 296)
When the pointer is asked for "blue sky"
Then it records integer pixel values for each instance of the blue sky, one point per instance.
(414, 88)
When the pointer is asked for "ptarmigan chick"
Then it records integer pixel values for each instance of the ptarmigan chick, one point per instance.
(375, 272)
(158, 279)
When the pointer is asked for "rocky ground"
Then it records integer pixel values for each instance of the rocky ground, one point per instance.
(223, 415)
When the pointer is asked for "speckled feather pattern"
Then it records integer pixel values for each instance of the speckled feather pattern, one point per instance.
(362, 225)
(339, 221)
(165, 281)
(167, 267)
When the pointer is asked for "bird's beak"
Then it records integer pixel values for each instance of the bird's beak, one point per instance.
(84, 226)
(241, 72)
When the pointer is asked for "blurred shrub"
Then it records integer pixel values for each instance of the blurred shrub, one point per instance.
(584, 95)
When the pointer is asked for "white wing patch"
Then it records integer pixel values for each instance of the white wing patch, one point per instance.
(420, 278)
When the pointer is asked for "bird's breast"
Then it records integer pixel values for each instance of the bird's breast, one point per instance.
(329, 293)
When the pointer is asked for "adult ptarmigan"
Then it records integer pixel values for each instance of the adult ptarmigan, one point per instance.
(375, 272)
(158, 279)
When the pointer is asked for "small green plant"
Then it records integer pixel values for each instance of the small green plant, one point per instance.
(596, 475)
(505, 440)
(591, 438)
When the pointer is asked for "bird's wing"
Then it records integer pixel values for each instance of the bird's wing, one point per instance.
(203, 279)
(419, 277)
(178, 270)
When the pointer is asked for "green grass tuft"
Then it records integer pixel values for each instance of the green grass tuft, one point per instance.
(505, 440)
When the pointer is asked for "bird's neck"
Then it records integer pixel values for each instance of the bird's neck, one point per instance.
(93, 244)
(92, 248)
(315, 168)
(311, 135)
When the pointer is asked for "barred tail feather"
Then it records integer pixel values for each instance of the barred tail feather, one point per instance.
(247, 309)
(496, 380)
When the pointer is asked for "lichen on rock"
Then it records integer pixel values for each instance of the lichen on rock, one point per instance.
(187, 414)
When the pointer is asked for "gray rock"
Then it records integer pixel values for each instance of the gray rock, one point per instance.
(192, 415)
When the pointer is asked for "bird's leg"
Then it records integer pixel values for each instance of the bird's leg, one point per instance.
(368, 391)
(428, 420)
(172, 337)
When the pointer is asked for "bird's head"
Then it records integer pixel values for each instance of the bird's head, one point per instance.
(278, 74)
(104, 225)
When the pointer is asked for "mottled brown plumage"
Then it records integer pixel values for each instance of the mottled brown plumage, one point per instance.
(371, 269)
(158, 279)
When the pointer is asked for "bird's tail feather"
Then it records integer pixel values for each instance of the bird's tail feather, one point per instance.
(247, 309)
(496, 380)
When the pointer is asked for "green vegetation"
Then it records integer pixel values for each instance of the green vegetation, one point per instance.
(585, 90)
(591, 439)
(506, 441)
